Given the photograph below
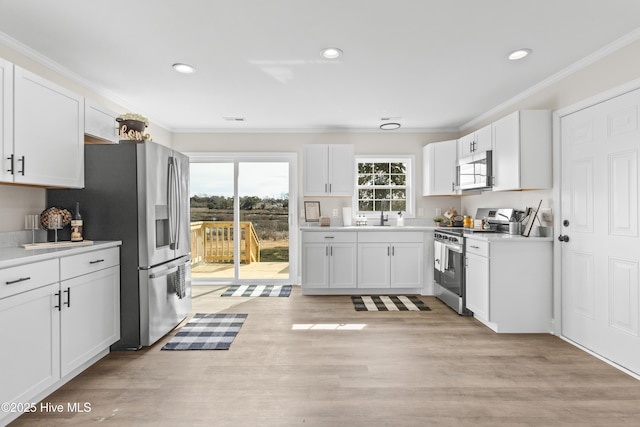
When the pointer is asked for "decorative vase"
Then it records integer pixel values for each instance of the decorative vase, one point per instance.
(131, 129)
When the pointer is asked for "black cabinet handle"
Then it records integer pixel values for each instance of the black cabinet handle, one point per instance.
(96, 261)
(21, 159)
(59, 306)
(10, 158)
(68, 292)
(22, 279)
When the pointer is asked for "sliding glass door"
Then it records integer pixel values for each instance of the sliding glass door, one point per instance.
(241, 217)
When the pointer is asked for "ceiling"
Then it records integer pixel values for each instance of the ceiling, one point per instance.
(426, 64)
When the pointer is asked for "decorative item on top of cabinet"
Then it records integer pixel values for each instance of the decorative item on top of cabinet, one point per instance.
(439, 176)
(328, 170)
(132, 127)
(522, 151)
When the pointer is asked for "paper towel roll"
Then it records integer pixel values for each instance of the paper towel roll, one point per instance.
(346, 217)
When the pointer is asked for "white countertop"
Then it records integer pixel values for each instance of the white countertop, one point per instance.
(12, 256)
(369, 228)
(480, 235)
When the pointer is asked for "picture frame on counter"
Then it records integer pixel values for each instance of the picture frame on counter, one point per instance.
(312, 211)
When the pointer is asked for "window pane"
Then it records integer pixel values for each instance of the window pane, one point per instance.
(365, 205)
(398, 168)
(365, 180)
(398, 205)
(399, 180)
(382, 193)
(382, 179)
(364, 168)
(381, 168)
(399, 194)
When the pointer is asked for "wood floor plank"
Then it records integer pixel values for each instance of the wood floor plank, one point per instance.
(430, 368)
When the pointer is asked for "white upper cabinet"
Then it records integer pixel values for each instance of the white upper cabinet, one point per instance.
(6, 119)
(475, 142)
(328, 170)
(522, 151)
(439, 168)
(100, 122)
(48, 133)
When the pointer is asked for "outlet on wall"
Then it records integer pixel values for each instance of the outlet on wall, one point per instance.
(335, 212)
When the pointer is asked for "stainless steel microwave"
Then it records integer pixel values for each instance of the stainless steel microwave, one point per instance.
(475, 171)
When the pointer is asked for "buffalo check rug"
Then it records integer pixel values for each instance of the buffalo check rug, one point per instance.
(258, 291)
(389, 303)
(207, 332)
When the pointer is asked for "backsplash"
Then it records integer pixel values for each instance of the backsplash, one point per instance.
(11, 239)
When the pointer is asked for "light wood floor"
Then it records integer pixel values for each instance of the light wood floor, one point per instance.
(403, 369)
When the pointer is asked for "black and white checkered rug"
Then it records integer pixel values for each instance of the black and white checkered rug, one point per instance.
(258, 291)
(207, 332)
(389, 303)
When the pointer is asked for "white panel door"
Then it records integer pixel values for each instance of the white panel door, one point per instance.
(600, 261)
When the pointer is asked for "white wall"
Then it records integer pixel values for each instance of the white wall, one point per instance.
(382, 142)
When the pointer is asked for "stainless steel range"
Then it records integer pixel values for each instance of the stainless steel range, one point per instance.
(448, 268)
(449, 254)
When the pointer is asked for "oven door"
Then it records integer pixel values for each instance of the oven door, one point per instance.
(452, 269)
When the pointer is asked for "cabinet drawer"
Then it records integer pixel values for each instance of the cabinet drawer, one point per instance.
(391, 237)
(15, 280)
(77, 265)
(479, 247)
(336, 237)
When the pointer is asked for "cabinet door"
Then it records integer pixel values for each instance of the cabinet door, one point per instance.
(506, 153)
(407, 260)
(342, 270)
(374, 265)
(465, 145)
(483, 139)
(477, 285)
(30, 337)
(90, 316)
(100, 122)
(341, 170)
(6, 120)
(439, 168)
(315, 265)
(48, 132)
(315, 170)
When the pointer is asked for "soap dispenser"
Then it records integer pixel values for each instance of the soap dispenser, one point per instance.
(400, 220)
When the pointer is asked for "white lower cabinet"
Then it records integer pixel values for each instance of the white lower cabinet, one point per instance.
(390, 259)
(328, 260)
(30, 337)
(509, 284)
(59, 315)
(346, 262)
(90, 320)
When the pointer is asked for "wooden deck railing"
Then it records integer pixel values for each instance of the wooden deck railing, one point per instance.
(212, 241)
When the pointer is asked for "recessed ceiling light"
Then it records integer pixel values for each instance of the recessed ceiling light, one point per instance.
(519, 54)
(389, 126)
(331, 53)
(183, 68)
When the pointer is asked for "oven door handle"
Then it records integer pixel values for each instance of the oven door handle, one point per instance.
(453, 248)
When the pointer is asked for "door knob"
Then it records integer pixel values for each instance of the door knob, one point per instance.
(563, 238)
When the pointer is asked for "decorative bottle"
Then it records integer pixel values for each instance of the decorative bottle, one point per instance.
(76, 225)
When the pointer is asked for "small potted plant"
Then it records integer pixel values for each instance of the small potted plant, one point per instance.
(437, 220)
(132, 126)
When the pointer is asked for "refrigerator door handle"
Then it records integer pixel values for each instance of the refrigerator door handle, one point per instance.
(178, 195)
(172, 203)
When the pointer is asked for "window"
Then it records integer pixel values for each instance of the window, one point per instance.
(384, 183)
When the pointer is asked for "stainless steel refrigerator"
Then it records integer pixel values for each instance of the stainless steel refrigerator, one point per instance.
(139, 193)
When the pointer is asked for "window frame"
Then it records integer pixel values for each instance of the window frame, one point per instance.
(409, 159)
